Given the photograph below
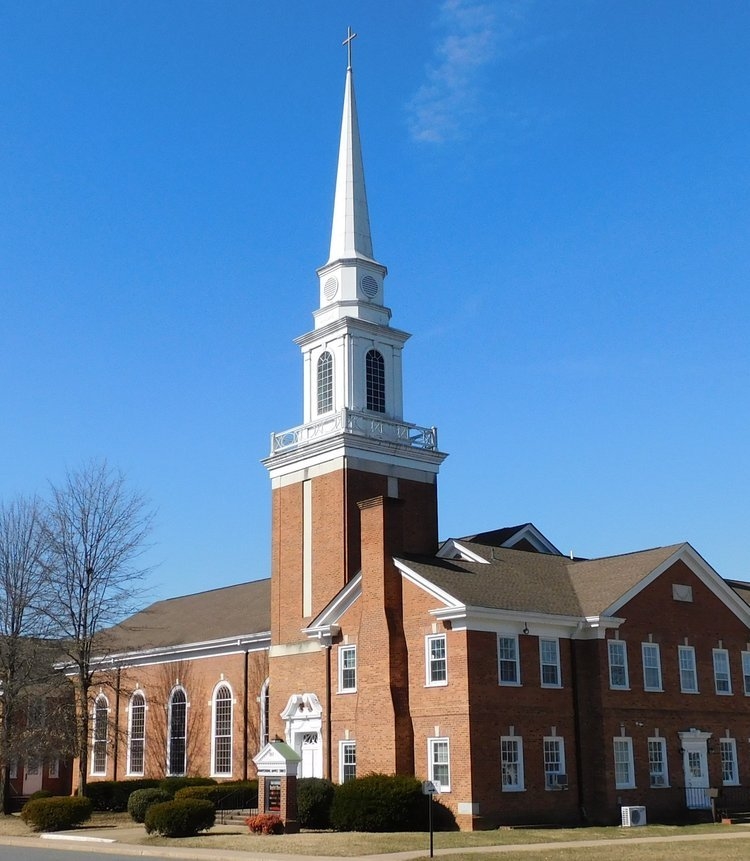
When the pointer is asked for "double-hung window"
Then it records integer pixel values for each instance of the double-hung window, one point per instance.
(347, 669)
(746, 672)
(624, 769)
(137, 734)
(222, 737)
(657, 762)
(440, 762)
(348, 760)
(554, 763)
(511, 763)
(549, 660)
(437, 660)
(100, 735)
(618, 664)
(507, 659)
(722, 679)
(688, 675)
(651, 666)
(729, 773)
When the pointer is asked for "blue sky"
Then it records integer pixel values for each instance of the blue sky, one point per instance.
(558, 188)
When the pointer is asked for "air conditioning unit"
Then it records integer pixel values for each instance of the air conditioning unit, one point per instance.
(633, 816)
(558, 781)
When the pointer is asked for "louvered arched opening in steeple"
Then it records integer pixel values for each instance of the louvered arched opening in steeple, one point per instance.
(325, 383)
(375, 378)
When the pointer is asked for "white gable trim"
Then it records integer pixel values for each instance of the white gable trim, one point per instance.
(429, 587)
(453, 549)
(330, 615)
(535, 538)
(702, 570)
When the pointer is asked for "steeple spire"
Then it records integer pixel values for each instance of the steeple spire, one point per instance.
(350, 233)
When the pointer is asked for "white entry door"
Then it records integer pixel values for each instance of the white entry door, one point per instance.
(695, 765)
(311, 752)
(32, 776)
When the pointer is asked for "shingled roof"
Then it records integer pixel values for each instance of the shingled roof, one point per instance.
(539, 582)
(217, 614)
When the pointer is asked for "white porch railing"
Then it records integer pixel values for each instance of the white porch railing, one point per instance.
(359, 424)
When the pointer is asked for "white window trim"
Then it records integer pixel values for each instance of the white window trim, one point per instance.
(169, 772)
(622, 647)
(128, 769)
(520, 785)
(53, 768)
(264, 712)
(644, 648)
(342, 745)
(431, 742)
(217, 688)
(429, 639)
(561, 742)
(628, 742)
(688, 650)
(99, 697)
(716, 653)
(542, 664)
(732, 745)
(13, 769)
(517, 682)
(343, 649)
(662, 742)
(746, 672)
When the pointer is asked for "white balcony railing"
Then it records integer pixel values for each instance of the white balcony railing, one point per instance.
(359, 424)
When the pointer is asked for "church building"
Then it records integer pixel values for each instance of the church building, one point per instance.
(529, 686)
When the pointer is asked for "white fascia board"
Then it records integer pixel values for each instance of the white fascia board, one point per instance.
(596, 627)
(535, 538)
(205, 649)
(351, 324)
(426, 585)
(453, 546)
(493, 619)
(331, 615)
(702, 570)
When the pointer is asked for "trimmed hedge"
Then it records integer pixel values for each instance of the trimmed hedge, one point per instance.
(140, 801)
(40, 793)
(113, 794)
(234, 794)
(173, 784)
(265, 823)
(379, 802)
(182, 818)
(314, 800)
(56, 814)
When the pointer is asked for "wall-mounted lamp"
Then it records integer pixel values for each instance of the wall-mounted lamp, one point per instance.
(525, 628)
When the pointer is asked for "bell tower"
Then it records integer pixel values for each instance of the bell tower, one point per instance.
(353, 444)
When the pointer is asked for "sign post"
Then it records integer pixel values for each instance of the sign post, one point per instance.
(429, 788)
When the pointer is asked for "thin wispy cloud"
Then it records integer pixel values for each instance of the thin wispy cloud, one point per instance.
(472, 35)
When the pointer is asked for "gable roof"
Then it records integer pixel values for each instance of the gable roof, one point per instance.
(217, 614)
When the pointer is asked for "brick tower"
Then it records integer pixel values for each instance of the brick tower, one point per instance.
(353, 446)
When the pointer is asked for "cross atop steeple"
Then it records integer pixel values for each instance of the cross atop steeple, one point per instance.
(350, 37)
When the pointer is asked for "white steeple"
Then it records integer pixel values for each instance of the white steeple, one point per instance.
(353, 392)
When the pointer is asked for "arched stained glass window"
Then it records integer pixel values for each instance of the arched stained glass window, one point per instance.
(100, 735)
(177, 753)
(325, 383)
(375, 378)
(222, 747)
(137, 734)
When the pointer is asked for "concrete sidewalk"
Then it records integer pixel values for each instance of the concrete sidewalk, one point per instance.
(107, 841)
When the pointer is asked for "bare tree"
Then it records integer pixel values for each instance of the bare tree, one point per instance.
(96, 531)
(24, 660)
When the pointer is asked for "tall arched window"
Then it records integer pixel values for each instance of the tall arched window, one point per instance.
(375, 378)
(100, 735)
(177, 754)
(222, 740)
(325, 383)
(137, 733)
(265, 703)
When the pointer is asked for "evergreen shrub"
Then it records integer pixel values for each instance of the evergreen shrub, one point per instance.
(181, 818)
(56, 814)
(40, 793)
(173, 784)
(265, 823)
(314, 800)
(113, 794)
(379, 802)
(140, 801)
(234, 794)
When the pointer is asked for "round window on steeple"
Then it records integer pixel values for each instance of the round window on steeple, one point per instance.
(330, 288)
(369, 286)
